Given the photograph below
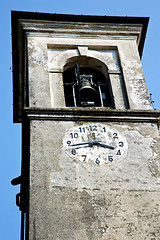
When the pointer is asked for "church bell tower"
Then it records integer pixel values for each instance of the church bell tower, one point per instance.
(90, 139)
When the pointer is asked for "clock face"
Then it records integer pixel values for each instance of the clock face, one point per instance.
(96, 143)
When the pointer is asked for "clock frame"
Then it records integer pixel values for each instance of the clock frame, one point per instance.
(95, 143)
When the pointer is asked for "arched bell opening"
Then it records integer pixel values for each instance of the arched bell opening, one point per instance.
(85, 86)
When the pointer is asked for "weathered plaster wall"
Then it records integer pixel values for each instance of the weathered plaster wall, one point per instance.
(75, 200)
(38, 74)
(133, 75)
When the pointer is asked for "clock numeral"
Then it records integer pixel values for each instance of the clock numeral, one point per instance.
(118, 152)
(69, 143)
(104, 129)
(93, 127)
(84, 157)
(82, 129)
(97, 161)
(121, 144)
(110, 158)
(115, 135)
(73, 151)
(74, 135)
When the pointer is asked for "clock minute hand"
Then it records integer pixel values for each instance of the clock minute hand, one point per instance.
(85, 143)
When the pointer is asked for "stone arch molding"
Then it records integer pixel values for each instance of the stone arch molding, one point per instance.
(59, 59)
(63, 59)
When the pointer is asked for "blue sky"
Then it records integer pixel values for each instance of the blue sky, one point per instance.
(10, 138)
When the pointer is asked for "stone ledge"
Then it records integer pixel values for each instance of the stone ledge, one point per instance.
(92, 114)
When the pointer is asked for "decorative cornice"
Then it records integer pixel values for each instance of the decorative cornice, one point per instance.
(83, 24)
(92, 114)
(82, 29)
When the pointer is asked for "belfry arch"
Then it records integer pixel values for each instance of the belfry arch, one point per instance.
(93, 82)
(104, 64)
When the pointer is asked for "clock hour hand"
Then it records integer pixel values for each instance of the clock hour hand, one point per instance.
(105, 146)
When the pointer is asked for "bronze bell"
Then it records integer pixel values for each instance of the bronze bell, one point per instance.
(88, 95)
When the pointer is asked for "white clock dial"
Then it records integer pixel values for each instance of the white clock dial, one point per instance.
(96, 143)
